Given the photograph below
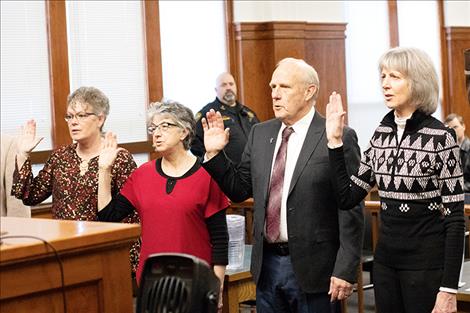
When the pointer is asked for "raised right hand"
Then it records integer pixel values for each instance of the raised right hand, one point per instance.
(109, 151)
(215, 136)
(27, 140)
(334, 119)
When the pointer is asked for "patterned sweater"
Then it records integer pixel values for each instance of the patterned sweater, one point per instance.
(420, 185)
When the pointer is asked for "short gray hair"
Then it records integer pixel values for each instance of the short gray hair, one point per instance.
(310, 75)
(180, 114)
(420, 73)
(91, 96)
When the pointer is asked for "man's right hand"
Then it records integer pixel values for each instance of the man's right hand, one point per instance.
(27, 140)
(215, 136)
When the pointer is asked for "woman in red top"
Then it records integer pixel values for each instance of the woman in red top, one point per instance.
(181, 208)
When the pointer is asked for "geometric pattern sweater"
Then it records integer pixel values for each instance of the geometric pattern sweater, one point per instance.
(420, 185)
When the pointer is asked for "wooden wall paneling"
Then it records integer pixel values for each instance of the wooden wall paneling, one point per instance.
(262, 45)
(326, 52)
(255, 66)
(59, 70)
(458, 40)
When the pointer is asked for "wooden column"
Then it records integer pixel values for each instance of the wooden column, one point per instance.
(153, 50)
(260, 46)
(230, 40)
(153, 56)
(393, 23)
(59, 70)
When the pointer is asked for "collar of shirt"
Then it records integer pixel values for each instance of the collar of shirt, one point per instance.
(301, 126)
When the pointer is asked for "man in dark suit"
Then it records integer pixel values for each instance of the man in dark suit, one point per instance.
(309, 258)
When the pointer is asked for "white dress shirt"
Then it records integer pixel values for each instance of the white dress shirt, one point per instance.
(295, 143)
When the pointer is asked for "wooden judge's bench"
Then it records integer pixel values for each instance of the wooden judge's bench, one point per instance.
(95, 260)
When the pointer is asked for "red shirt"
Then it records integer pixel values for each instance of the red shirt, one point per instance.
(174, 221)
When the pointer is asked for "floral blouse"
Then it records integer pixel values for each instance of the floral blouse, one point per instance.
(73, 185)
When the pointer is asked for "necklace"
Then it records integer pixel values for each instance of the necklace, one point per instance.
(83, 167)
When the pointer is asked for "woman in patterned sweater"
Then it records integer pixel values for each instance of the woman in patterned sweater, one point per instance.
(414, 161)
(71, 173)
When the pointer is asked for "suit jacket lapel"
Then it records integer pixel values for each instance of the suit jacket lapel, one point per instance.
(314, 134)
(268, 157)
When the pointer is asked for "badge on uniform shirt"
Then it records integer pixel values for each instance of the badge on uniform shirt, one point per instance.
(226, 118)
(198, 116)
(250, 115)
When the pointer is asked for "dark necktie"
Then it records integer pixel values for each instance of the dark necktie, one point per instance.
(275, 189)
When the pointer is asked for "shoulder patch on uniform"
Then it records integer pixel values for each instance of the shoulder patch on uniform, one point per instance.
(198, 116)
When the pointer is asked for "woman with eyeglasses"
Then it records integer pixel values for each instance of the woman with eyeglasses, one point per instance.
(181, 208)
(72, 173)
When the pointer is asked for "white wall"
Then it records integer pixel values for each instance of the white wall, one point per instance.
(457, 13)
(308, 11)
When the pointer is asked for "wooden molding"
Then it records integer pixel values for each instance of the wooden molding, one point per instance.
(290, 30)
(40, 157)
(59, 70)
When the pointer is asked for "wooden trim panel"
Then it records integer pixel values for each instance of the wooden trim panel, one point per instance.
(41, 157)
(59, 70)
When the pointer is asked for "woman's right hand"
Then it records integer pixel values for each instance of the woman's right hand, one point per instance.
(109, 151)
(334, 120)
(27, 140)
(215, 136)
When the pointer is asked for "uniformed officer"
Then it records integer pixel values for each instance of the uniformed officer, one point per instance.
(237, 117)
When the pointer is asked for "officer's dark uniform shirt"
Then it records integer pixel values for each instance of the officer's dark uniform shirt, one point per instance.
(239, 119)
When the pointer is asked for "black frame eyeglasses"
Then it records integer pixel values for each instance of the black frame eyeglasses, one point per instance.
(79, 116)
(162, 127)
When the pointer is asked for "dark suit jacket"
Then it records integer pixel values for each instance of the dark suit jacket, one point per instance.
(323, 241)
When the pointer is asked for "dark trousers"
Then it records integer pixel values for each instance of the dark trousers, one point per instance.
(278, 291)
(405, 291)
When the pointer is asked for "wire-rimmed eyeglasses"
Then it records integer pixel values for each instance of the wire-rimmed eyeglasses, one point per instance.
(163, 127)
(79, 116)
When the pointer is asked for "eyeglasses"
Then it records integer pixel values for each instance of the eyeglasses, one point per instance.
(79, 116)
(163, 127)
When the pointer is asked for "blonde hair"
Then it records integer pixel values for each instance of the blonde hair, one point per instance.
(419, 71)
